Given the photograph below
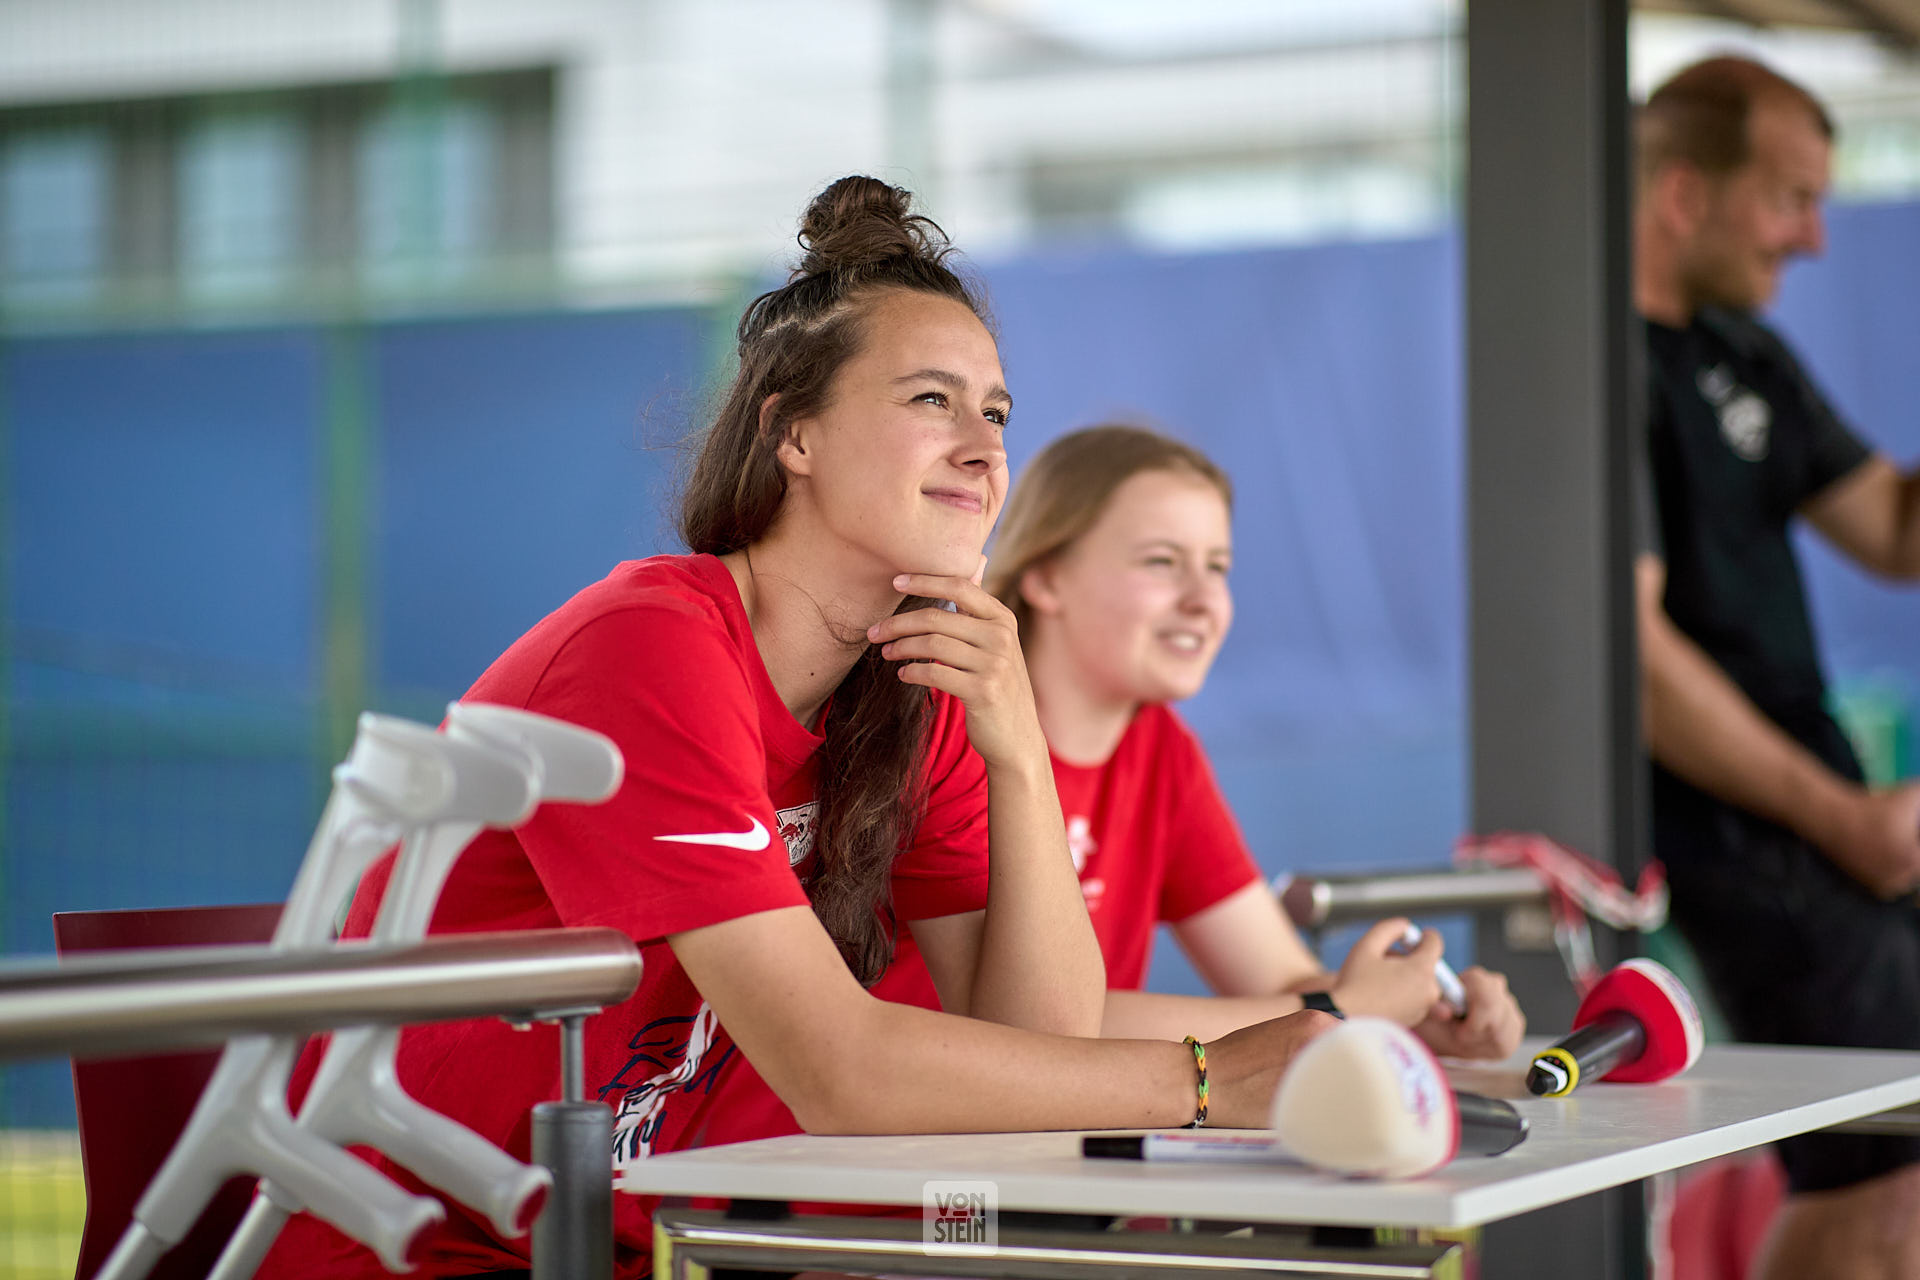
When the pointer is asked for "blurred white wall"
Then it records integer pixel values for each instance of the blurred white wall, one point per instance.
(684, 134)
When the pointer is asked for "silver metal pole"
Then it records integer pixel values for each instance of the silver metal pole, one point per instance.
(127, 1002)
(573, 1058)
(1314, 902)
(573, 1138)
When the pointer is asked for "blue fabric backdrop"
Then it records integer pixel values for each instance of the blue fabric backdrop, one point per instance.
(164, 534)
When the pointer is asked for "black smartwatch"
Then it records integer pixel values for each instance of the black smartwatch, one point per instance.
(1323, 1001)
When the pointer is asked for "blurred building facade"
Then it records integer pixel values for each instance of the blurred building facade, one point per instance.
(219, 155)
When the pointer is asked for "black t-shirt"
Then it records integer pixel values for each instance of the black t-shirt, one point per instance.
(1738, 438)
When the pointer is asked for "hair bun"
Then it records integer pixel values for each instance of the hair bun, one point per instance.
(859, 221)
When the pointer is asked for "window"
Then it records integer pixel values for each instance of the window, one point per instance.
(54, 197)
(427, 174)
(242, 190)
(269, 199)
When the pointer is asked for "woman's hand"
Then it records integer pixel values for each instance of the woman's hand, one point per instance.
(1386, 983)
(1493, 1025)
(1244, 1068)
(974, 655)
(1033, 958)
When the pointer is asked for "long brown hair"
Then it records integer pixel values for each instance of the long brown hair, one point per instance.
(1063, 490)
(860, 241)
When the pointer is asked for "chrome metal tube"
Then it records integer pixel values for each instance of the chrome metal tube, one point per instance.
(117, 1003)
(690, 1242)
(1901, 1122)
(1314, 902)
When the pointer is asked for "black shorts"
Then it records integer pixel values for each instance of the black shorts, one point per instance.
(1796, 952)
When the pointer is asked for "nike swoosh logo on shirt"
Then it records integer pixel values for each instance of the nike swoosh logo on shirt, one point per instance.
(753, 839)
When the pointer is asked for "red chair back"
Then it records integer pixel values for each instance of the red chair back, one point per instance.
(132, 1109)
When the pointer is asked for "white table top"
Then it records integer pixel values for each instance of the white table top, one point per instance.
(1604, 1135)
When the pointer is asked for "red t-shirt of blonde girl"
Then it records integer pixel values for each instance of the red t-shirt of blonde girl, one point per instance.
(1152, 838)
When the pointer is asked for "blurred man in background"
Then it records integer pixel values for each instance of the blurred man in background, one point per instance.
(1792, 880)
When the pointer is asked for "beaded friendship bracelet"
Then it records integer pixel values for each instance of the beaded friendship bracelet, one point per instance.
(1200, 1063)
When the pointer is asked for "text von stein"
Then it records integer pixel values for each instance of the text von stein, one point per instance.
(961, 1217)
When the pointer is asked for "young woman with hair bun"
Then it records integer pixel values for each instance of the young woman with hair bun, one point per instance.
(817, 755)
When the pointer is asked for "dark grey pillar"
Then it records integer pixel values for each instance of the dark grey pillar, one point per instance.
(1550, 337)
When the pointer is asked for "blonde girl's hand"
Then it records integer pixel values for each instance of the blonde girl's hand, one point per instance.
(972, 653)
(1376, 979)
(1491, 1028)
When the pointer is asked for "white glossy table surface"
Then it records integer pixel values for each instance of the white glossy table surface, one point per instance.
(1604, 1135)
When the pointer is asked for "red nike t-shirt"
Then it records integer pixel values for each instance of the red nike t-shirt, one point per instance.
(659, 656)
(1152, 839)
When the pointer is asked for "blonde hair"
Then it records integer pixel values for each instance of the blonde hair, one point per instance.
(1062, 491)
